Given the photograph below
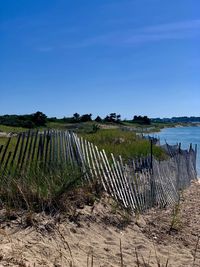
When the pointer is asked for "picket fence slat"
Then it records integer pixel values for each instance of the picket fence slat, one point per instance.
(5, 150)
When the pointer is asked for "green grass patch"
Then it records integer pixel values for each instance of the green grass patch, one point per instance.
(13, 141)
(124, 143)
(57, 125)
(11, 129)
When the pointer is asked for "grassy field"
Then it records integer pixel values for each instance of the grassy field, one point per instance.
(117, 141)
(88, 127)
(10, 129)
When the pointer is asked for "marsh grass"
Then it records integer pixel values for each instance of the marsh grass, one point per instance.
(124, 143)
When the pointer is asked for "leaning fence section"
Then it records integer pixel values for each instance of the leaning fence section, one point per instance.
(137, 184)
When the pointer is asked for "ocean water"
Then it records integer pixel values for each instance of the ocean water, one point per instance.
(183, 135)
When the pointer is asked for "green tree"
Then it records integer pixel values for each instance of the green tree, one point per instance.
(76, 117)
(39, 118)
(113, 117)
(98, 119)
(86, 117)
(141, 120)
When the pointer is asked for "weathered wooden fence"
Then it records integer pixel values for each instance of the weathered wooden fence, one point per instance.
(137, 184)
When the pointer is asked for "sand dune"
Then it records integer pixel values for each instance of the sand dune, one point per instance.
(93, 233)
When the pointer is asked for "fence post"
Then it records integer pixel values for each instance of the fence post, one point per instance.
(152, 180)
(195, 158)
(179, 185)
(151, 163)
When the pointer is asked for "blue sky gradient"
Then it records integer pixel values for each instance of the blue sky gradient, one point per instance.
(132, 57)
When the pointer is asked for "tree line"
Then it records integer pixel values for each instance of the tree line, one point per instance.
(39, 119)
(183, 119)
(28, 121)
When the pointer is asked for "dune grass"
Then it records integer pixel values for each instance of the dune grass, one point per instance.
(38, 190)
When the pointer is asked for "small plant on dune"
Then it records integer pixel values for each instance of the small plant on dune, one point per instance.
(176, 220)
(126, 217)
(115, 206)
(143, 263)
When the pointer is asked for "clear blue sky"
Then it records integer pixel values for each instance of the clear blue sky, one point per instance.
(132, 57)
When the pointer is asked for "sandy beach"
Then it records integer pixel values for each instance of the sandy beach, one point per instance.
(90, 235)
